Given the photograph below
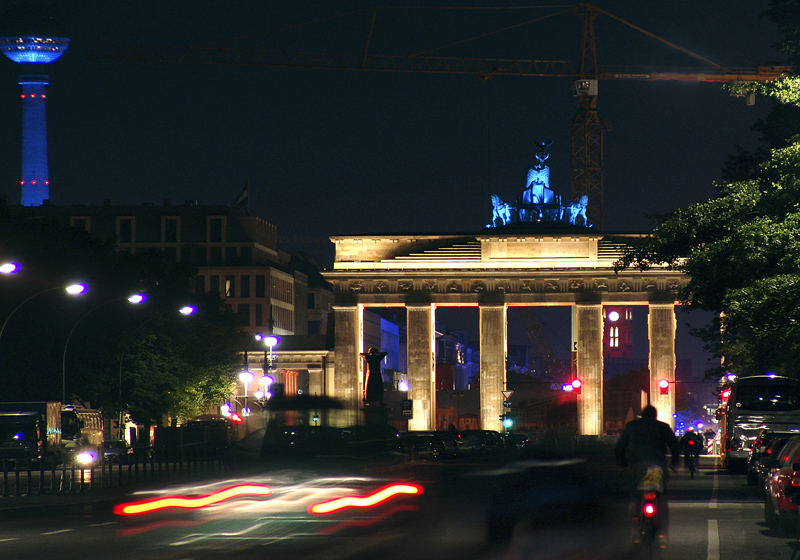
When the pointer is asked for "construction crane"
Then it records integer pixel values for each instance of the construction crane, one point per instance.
(586, 127)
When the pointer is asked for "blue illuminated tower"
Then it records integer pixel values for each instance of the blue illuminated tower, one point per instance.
(33, 46)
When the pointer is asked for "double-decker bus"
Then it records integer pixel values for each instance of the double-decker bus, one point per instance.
(755, 403)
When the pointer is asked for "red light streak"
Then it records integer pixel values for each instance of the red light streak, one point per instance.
(148, 506)
(369, 500)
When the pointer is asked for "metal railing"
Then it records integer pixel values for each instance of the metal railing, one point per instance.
(31, 480)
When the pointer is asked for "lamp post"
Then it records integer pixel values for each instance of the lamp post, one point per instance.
(71, 290)
(134, 299)
(246, 377)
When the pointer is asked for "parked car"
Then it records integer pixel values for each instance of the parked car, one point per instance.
(515, 439)
(420, 445)
(117, 451)
(762, 441)
(479, 441)
(769, 460)
(780, 513)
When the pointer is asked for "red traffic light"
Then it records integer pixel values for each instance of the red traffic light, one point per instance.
(573, 386)
(663, 386)
(725, 394)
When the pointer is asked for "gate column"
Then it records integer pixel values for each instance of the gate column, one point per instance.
(493, 341)
(421, 366)
(347, 374)
(589, 320)
(661, 329)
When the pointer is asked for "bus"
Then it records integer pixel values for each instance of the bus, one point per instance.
(755, 403)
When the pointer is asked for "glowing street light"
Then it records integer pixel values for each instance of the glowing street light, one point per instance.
(187, 310)
(76, 289)
(10, 268)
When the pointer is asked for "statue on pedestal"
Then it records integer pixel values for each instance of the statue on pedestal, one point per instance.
(373, 382)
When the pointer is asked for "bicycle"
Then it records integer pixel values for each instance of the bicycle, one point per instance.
(648, 515)
(690, 462)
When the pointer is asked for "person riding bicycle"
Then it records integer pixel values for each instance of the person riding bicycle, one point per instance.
(691, 445)
(645, 442)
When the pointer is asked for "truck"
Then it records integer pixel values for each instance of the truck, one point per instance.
(756, 403)
(30, 433)
(81, 435)
(48, 434)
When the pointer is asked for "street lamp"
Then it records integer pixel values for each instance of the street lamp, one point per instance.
(10, 268)
(72, 290)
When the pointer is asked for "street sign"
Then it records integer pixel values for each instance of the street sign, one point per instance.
(507, 394)
(407, 408)
(507, 404)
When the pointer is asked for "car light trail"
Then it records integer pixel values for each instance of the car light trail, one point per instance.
(147, 506)
(365, 501)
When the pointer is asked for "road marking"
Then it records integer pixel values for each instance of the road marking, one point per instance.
(102, 524)
(9, 539)
(712, 503)
(57, 532)
(713, 540)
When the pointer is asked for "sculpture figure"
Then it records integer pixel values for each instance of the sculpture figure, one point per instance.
(373, 382)
(578, 208)
(500, 211)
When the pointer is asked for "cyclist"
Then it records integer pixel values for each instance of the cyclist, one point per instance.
(691, 445)
(645, 442)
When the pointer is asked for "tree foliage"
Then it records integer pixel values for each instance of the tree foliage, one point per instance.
(741, 250)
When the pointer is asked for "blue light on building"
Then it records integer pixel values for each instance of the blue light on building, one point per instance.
(34, 51)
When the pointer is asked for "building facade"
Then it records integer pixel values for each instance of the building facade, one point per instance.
(236, 256)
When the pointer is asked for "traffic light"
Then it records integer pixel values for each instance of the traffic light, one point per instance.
(663, 386)
(725, 394)
(507, 421)
(573, 386)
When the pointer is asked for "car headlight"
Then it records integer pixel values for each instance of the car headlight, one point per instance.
(86, 457)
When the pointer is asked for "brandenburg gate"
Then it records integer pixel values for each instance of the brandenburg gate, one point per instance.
(494, 271)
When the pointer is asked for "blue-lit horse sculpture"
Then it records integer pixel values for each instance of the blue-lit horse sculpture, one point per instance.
(500, 211)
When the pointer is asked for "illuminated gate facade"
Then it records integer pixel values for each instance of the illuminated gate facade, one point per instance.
(492, 272)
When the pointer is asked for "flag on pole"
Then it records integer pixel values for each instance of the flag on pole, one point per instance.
(242, 201)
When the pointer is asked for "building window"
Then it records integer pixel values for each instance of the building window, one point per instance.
(125, 230)
(613, 337)
(170, 233)
(259, 316)
(82, 223)
(261, 284)
(230, 255)
(214, 289)
(312, 301)
(215, 230)
(244, 286)
(247, 256)
(244, 314)
(200, 284)
(216, 255)
(315, 327)
(230, 286)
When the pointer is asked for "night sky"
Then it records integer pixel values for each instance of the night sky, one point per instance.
(332, 152)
